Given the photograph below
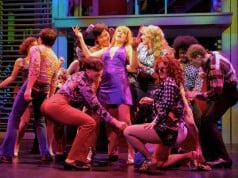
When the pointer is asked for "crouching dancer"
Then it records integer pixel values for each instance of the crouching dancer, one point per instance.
(63, 108)
(168, 128)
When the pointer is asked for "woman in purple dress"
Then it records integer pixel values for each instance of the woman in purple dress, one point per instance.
(114, 90)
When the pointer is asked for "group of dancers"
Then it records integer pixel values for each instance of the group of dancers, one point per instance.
(114, 82)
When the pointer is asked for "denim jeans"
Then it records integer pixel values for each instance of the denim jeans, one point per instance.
(19, 106)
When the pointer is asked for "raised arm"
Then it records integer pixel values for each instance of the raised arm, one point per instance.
(86, 51)
(73, 67)
(133, 60)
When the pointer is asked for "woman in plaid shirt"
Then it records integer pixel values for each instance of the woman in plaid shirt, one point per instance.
(168, 127)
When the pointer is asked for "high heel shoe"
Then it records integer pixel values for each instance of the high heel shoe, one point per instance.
(77, 165)
(145, 167)
(91, 154)
(196, 166)
(16, 151)
(16, 154)
(130, 161)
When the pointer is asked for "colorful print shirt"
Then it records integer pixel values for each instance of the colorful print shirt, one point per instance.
(191, 78)
(44, 64)
(148, 59)
(145, 58)
(79, 90)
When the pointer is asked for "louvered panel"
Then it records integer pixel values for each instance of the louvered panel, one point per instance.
(18, 19)
(34, 31)
(26, 25)
(1, 58)
(35, 14)
(10, 56)
(25, 19)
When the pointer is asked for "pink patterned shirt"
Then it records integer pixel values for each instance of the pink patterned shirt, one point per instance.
(44, 64)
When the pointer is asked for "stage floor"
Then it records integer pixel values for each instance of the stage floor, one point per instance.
(29, 166)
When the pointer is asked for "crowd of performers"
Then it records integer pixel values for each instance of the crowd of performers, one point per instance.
(140, 88)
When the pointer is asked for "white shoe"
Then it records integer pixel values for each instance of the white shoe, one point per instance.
(130, 161)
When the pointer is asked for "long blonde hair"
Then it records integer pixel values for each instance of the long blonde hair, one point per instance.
(157, 39)
(127, 31)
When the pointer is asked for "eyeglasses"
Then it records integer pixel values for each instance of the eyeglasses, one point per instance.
(161, 70)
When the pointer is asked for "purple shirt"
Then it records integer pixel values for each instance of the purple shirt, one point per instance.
(79, 90)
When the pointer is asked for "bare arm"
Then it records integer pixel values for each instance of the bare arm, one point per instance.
(134, 58)
(133, 62)
(73, 67)
(146, 100)
(84, 47)
(30, 83)
(16, 69)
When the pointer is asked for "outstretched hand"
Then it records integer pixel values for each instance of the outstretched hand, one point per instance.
(77, 31)
(27, 95)
(146, 100)
(61, 61)
(122, 125)
(199, 155)
(190, 95)
(119, 124)
(149, 125)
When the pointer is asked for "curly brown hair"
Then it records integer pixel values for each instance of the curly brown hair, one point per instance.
(183, 42)
(99, 28)
(195, 50)
(173, 67)
(26, 44)
(94, 63)
(48, 36)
